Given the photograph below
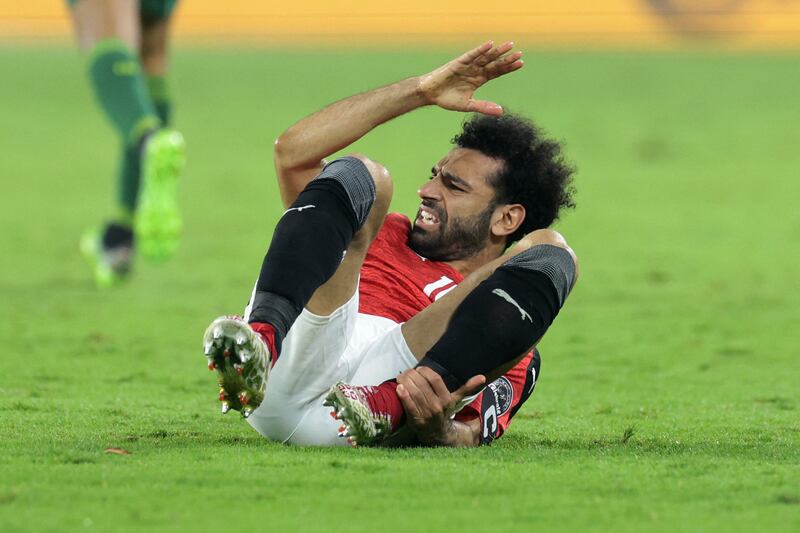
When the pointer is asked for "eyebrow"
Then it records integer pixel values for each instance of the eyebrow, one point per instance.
(457, 180)
(452, 177)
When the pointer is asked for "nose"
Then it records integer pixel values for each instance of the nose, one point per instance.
(431, 190)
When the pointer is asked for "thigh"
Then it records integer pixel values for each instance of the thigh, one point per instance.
(343, 284)
(156, 10)
(381, 358)
(96, 20)
(293, 410)
(311, 360)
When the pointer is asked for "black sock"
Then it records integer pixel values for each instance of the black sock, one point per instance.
(310, 241)
(504, 316)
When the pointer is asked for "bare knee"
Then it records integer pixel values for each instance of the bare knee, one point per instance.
(96, 20)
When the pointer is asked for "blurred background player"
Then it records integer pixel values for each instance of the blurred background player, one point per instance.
(127, 45)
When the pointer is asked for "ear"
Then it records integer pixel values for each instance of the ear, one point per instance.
(507, 219)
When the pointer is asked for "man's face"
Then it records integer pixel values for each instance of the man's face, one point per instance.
(454, 217)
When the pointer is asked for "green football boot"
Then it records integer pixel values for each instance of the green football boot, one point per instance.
(157, 222)
(241, 360)
(109, 253)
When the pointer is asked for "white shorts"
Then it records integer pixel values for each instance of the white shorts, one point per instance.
(317, 352)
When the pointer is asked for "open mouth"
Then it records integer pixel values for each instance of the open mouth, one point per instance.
(426, 217)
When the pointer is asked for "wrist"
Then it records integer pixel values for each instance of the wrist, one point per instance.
(419, 94)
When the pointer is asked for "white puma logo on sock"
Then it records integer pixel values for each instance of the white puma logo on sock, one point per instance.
(299, 209)
(505, 296)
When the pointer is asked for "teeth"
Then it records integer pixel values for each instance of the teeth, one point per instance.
(427, 218)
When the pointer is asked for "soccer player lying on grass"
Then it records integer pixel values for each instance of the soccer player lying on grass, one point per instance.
(127, 41)
(347, 293)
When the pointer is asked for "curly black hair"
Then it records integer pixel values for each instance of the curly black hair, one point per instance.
(534, 174)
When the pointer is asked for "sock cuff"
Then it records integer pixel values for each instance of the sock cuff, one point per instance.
(109, 45)
(146, 124)
(354, 177)
(555, 262)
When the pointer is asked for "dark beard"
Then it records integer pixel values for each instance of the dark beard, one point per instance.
(454, 239)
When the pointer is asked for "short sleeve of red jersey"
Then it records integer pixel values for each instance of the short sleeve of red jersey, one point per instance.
(502, 398)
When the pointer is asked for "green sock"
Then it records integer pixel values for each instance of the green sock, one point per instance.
(162, 99)
(129, 177)
(119, 85)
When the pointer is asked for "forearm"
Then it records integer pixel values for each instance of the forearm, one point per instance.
(454, 434)
(338, 125)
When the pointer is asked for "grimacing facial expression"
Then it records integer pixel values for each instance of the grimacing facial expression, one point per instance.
(454, 218)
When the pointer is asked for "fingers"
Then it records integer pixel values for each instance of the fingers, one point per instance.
(436, 382)
(468, 388)
(488, 55)
(494, 53)
(423, 395)
(485, 107)
(409, 405)
(472, 55)
(506, 64)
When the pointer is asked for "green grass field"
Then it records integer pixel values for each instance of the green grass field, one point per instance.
(669, 397)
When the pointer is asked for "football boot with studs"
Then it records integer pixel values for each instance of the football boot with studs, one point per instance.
(241, 360)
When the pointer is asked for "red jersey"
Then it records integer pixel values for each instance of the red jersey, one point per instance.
(396, 283)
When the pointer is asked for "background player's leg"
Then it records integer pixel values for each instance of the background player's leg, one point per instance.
(154, 57)
(158, 221)
(109, 30)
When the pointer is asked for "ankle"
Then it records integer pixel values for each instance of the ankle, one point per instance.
(267, 334)
(384, 399)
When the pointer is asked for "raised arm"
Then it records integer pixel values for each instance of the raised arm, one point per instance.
(301, 150)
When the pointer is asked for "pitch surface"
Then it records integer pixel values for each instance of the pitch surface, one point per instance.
(668, 397)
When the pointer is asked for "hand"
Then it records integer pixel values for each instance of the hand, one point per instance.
(428, 403)
(452, 85)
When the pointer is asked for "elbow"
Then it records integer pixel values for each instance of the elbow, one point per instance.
(282, 151)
